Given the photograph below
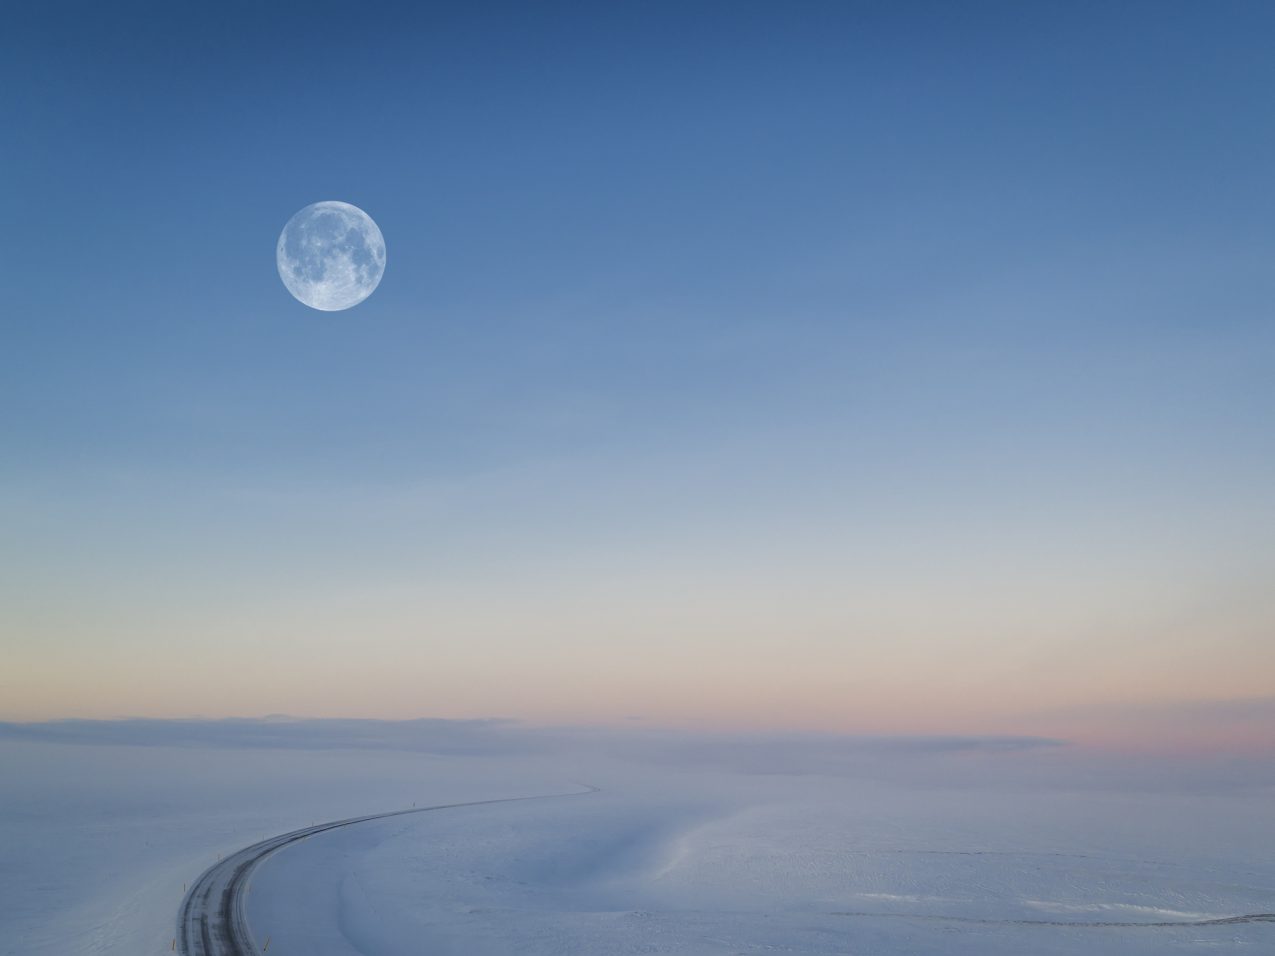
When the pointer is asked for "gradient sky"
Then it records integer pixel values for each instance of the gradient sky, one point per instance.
(860, 367)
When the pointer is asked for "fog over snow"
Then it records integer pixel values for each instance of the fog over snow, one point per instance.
(693, 843)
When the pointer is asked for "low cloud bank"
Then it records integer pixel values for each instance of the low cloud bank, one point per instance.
(735, 752)
(756, 753)
(929, 761)
(478, 737)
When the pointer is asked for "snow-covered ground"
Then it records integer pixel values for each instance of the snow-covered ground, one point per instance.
(812, 866)
(918, 853)
(96, 842)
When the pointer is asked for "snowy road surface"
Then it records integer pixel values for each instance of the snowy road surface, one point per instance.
(211, 921)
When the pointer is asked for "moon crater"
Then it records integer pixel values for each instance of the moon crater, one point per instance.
(331, 255)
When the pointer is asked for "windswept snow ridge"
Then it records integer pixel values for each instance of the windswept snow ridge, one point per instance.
(1070, 924)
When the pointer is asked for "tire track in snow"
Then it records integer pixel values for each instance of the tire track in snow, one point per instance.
(212, 920)
(1102, 924)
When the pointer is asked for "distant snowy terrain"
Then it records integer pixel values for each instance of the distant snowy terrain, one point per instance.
(815, 866)
(903, 847)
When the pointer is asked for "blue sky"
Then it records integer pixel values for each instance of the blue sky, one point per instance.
(842, 336)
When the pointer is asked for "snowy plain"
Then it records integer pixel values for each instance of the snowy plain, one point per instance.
(692, 845)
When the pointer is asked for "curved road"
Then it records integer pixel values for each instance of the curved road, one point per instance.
(211, 921)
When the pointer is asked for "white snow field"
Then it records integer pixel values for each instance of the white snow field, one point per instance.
(932, 850)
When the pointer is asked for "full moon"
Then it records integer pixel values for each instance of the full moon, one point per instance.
(331, 255)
